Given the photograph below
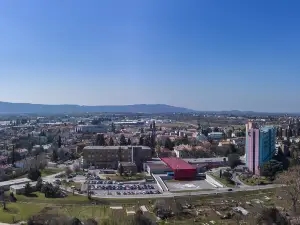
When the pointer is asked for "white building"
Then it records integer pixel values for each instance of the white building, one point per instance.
(20, 188)
(215, 135)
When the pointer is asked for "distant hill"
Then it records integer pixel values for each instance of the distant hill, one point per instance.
(16, 108)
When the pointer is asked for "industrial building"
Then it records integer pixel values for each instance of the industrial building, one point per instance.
(182, 170)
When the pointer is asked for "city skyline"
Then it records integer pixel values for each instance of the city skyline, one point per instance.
(201, 55)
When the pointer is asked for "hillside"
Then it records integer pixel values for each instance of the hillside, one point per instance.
(16, 108)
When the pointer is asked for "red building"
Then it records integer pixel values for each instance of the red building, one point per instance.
(182, 170)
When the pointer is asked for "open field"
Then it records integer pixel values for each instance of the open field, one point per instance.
(50, 171)
(205, 206)
(37, 197)
(19, 212)
(255, 181)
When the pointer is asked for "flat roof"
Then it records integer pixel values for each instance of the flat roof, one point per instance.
(177, 163)
(14, 182)
(159, 167)
(205, 160)
(18, 186)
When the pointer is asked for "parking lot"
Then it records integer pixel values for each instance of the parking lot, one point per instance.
(108, 187)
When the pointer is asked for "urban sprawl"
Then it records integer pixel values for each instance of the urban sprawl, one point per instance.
(191, 168)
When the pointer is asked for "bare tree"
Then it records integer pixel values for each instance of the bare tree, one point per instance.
(291, 179)
(68, 171)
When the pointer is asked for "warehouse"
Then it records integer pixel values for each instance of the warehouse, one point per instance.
(182, 170)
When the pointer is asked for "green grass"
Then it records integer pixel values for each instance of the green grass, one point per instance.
(18, 212)
(80, 206)
(22, 211)
(223, 181)
(50, 171)
(40, 198)
(255, 181)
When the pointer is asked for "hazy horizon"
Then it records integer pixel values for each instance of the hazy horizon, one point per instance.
(202, 55)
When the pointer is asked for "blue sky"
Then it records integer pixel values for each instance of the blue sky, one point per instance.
(201, 54)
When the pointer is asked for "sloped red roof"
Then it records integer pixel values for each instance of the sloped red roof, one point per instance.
(177, 163)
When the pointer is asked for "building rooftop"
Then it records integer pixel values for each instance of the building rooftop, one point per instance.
(19, 186)
(176, 163)
(113, 147)
(155, 166)
(204, 160)
(14, 182)
(266, 128)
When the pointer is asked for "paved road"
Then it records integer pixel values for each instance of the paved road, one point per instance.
(236, 179)
(217, 191)
(195, 193)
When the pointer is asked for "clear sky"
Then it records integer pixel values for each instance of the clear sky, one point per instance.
(201, 54)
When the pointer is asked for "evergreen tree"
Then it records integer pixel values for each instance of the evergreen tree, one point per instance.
(59, 142)
(147, 141)
(100, 140)
(128, 141)
(141, 141)
(39, 184)
(34, 174)
(111, 141)
(54, 157)
(27, 189)
(123, 141)
(120, 169)
(169, 144)
(113, 128)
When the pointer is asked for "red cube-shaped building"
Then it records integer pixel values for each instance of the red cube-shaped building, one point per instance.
(182, 170)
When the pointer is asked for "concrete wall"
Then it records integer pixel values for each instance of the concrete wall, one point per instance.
(161, 184)
(213, 181)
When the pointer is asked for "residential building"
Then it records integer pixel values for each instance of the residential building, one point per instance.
(23, 152)
(215, 135)
(92, 128)
(109, 156)
(188, 151)
(239, 141)
(260, 146)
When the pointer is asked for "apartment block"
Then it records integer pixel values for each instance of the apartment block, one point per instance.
(260, 146)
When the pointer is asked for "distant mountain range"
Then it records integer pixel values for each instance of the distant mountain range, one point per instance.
(17, 108)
